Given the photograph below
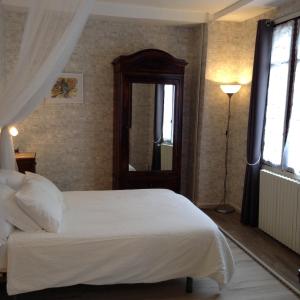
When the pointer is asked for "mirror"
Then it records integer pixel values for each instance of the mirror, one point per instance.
(151, 131)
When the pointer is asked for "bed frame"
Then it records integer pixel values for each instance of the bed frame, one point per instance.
(188, 286)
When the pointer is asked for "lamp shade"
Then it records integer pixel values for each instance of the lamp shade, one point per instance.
(13, 131)
(230, 88)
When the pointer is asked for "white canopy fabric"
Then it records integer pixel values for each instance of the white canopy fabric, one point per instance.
(51, 32)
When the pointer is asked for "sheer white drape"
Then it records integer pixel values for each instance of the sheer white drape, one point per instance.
(52, 30)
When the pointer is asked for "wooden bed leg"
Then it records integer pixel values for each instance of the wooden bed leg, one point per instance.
(189, 285)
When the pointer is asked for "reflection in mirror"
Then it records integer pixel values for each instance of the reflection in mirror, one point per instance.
(151, 132)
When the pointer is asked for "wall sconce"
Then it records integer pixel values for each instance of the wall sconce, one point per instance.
(13, 131)
(228, 89)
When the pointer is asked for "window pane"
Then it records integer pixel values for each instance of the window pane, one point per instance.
(293, 143)
(282, 43)
(292, 148)
(277, 93)
(168, 113)
(273, 141)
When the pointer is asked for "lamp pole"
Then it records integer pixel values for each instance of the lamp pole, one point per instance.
(225, 208)
(228, 89)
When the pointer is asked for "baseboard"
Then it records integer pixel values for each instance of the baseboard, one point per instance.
(212, 206)
(208, 205)
(237, 208)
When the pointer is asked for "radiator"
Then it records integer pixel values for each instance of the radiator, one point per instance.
(279, 208)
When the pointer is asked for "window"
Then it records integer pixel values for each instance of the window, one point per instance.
(168, 113)
(282, 127)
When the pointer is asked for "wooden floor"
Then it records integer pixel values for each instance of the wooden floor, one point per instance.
(250, 282)
(280, 258)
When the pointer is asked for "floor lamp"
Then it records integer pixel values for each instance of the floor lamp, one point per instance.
(228, 89)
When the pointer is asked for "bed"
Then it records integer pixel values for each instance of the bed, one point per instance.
(3, 258)
(112, 237)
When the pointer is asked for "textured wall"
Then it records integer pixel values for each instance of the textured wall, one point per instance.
(74, 142)
(229, 58)
(1, 47)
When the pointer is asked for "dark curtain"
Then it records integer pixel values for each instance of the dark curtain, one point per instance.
(256, 121)
(158, 126)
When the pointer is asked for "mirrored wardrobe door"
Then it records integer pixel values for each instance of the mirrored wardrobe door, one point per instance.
(151, 131)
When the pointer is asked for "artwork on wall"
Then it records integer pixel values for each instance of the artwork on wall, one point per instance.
(68, 88)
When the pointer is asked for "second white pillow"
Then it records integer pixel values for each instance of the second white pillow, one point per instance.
(12, 213)
(52, 188)
(41, 204)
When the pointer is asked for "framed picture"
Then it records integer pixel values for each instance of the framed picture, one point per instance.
(68, 88)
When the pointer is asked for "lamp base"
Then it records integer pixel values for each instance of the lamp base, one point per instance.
(224, 209)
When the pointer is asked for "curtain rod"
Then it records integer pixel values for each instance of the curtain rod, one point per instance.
(287, 17)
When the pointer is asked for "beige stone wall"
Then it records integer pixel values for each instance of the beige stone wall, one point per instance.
(2, 72)
(74, 142)
(229, 58)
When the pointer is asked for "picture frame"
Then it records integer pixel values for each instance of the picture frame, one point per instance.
(67, 89)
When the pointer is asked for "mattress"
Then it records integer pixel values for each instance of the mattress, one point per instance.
(128, 236)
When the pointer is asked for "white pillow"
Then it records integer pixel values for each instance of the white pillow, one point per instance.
(13, 179)
(38, 201)
(5, 230)
(12, 213)
(52, 188)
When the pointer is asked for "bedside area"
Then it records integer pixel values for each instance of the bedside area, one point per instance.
(26, 161)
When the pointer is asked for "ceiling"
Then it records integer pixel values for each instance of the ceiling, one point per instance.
(178, 11)
(210, 6)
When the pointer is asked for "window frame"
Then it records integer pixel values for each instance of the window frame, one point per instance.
(290, 92)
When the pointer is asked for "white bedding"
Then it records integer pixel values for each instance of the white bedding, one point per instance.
(3, 258)
(129, 236)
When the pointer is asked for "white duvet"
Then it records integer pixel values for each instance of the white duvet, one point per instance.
(110, 237)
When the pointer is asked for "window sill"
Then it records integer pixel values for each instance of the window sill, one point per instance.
(281, 172)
